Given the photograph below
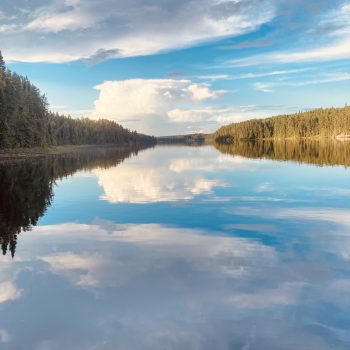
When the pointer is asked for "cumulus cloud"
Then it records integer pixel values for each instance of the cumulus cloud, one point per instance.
(144, 103)
(71, 30)
(148, 96)
(170, 106)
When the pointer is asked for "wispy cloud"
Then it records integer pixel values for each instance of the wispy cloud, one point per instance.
(337, 51)
(248, 45)
(91, 29)
(264, 87)
(322, 79)
(269, 74)
(214, 77)
(336, 24)
(252, 75)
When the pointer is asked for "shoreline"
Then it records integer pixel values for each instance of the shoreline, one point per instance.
(38, 152)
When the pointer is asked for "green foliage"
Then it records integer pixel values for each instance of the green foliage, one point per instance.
(25, 120)
(318, 123)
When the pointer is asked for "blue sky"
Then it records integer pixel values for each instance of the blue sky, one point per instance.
(165, 67)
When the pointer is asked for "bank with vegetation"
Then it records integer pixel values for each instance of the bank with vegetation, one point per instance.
(316, 124)
(26, 122)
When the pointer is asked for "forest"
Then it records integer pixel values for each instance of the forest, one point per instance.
(317, 124)
(25, 120)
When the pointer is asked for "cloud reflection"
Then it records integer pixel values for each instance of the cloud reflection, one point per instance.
(157, 176)
(176, 287)
(8, 292)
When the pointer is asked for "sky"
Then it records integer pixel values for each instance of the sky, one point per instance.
(173, 67)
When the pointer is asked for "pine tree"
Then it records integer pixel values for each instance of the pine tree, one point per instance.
(25, 120)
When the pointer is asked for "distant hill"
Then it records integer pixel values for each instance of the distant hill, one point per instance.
(318, 123)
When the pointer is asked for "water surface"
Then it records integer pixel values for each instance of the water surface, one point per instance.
(177, 247)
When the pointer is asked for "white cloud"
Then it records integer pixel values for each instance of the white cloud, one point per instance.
(70, 21)
(71, 30)
(264, 87)
(209, 114)
(8, 292)
(324, 79)
(214, 77)
(132, 97)
(268, 74)
(153, 243)
(143, 104)
(321, 79)
(335, 26)
(210, 118)
(336, 51)
(68, 263)
(211, 163)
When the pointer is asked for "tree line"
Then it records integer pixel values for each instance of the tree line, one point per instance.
(25, 120)
(318, 123)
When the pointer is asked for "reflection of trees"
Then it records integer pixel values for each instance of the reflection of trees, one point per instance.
(26, 187)
(327, 152)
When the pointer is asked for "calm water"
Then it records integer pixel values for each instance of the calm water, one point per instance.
(176, 248)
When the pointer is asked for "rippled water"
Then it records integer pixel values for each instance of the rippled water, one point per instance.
(174, 248)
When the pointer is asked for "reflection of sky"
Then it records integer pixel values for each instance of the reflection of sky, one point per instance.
(258, 261)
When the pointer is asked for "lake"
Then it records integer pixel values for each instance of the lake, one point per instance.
(177, 247)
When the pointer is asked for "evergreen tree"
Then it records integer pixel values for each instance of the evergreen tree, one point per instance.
(317, 124)
(25, 120)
